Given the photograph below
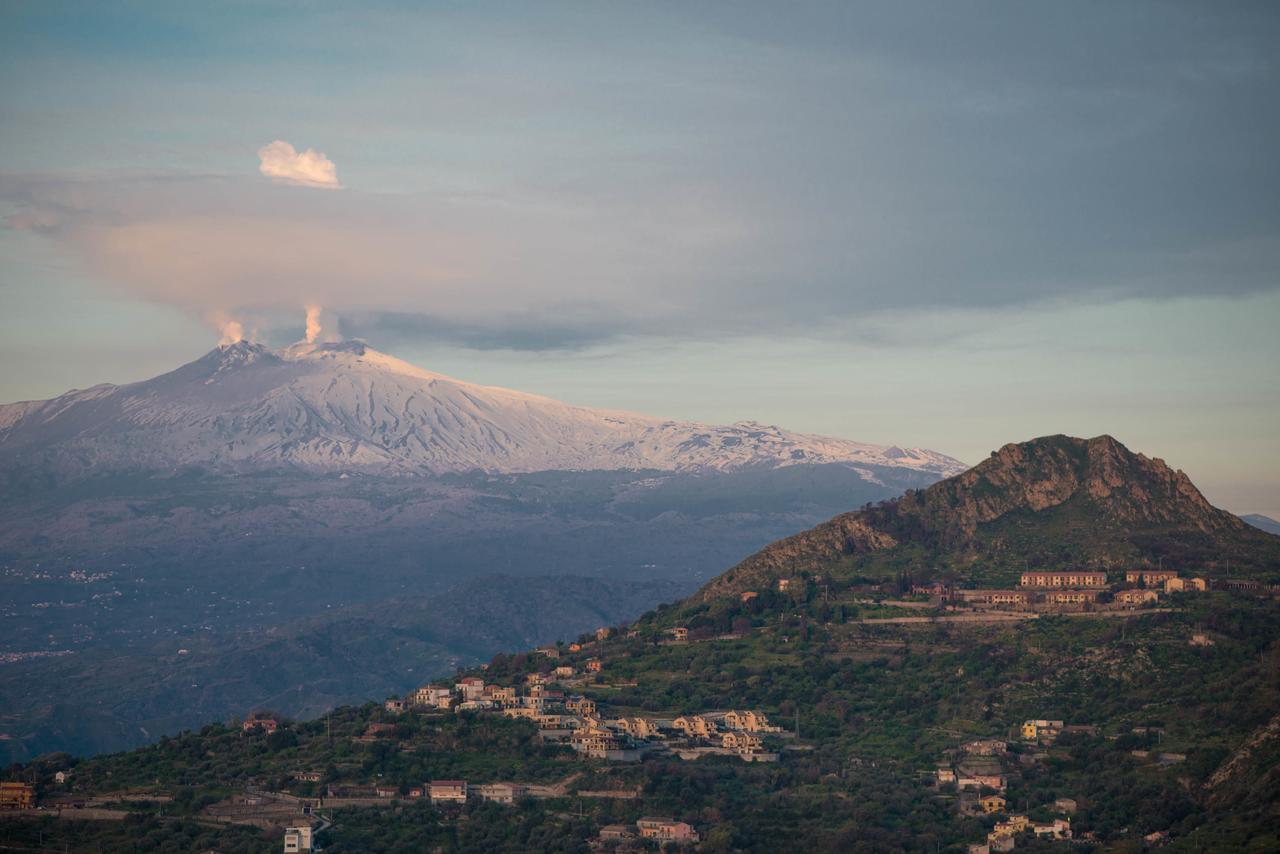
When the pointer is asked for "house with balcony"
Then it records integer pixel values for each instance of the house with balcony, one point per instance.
(448, 791)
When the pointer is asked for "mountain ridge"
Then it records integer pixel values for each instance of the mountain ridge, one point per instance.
(338, 407)
(1265, 523)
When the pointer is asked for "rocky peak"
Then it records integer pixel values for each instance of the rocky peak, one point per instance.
(1114, 498)
(1052, 470)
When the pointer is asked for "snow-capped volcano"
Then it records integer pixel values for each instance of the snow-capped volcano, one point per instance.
(348, 407)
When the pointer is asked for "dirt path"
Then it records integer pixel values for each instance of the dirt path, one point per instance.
(556, 790)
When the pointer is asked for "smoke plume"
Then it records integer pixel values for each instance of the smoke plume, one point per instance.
(313, 323)
(232, 332)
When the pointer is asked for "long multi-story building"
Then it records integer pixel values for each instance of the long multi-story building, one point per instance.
(1017, 598)
(1149, 577)
(1064, 578)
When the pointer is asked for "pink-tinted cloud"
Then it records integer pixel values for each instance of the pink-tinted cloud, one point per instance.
(258, 253)
(279, 161)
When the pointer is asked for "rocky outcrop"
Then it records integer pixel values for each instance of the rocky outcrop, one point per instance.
(1103, 481)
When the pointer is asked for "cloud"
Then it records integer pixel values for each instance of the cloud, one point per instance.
(541, 268)
(777, 171)
(529, 332)
(279, 161)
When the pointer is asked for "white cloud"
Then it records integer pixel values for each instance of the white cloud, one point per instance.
(310, 168)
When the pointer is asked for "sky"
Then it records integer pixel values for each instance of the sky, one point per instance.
(947, 225)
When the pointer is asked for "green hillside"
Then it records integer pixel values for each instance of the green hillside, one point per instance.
(891, 712)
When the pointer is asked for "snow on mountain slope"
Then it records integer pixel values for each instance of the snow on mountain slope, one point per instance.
(348, 407)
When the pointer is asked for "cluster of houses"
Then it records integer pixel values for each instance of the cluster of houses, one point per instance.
(1065, 589)
(979, 779)
(1003, 837)
(575, 721)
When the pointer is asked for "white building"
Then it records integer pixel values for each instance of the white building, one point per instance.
(297, 839)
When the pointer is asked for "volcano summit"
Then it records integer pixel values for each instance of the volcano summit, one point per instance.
(345, 407)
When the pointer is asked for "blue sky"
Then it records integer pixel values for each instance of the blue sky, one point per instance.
(948, 225)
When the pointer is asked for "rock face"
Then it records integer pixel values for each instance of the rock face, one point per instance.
(345, 407)
(1075, 500)
(1048, 472)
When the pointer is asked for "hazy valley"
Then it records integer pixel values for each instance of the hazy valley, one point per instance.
(165, 544)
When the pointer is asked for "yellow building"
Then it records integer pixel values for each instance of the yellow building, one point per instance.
(741, 741)
(637, 727)
(1137, 596)
(594, 741)
(1149, 577)
(526, 712)
(1013, 824)
(992, 804)
(17, 796)
(695, 726)
(749, 721)
(581, 705)
(1065, 578)
(1037, 729)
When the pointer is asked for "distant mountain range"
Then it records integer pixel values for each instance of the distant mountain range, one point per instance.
(1056, 501)
(1266, 523)
(345, 407)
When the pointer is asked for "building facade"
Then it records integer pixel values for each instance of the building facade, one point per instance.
(1064, 578)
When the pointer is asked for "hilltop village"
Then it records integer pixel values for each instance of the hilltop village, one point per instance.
(553, 697)
(822, 684)
(574, 720)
